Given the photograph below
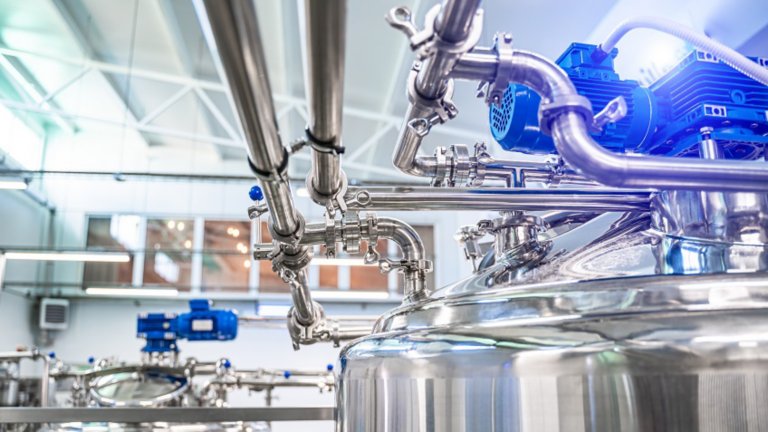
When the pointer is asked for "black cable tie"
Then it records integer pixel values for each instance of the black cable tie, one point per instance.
(268, 174)
(323, 146)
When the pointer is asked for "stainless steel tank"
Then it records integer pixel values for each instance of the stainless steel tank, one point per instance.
(654, 353)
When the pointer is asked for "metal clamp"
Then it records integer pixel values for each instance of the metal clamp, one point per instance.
(571, 103)
(477, 170)
(331, 203)
(372, 256)
(426, 42)
(287, 263)
(443, 108)
(289, 239)
(504, 51)
(330, 236)
(351, 232)
(453, 166)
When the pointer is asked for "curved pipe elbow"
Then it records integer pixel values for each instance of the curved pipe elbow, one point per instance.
(404, 235)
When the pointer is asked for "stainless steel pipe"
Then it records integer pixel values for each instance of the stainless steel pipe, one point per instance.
(501, 199)
(452, 25)
(235, 30)
(324, 78)
(303, 306)
(407, 239)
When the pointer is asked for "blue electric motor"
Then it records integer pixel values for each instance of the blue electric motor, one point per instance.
(201, 323)
(663, 119)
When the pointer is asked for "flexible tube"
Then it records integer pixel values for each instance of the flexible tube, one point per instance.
(727, 55)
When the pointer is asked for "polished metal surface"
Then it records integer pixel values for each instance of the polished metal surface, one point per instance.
(324, 77)
(371, 228)
(501, 199)
(660, 353)
(453, 25)
(178, 415)
(234, 27)
(137, 386)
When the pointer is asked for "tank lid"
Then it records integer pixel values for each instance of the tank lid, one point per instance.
(573, 300)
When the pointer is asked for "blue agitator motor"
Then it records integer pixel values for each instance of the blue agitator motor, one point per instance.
(663, 119)
(201, 323)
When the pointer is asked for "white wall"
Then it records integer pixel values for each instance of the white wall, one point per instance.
(23, 223)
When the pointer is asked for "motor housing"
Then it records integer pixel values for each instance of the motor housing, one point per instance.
(663, 119)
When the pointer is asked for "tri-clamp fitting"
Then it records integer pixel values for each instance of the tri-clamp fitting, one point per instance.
(352, 229)
(513, 232)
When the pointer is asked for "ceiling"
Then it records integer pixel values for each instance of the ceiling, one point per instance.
(140, 71)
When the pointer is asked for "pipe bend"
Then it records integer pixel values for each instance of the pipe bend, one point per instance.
(404, 235)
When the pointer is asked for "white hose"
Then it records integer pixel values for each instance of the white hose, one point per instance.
(727, 55)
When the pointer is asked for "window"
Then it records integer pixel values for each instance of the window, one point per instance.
(226, 259)
(111, 233)
(168, 259)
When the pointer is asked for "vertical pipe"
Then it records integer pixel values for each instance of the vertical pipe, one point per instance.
(235, 30)
(452, 25)
(235, 33)
(324, 78)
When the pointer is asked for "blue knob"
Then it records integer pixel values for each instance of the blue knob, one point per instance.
(227, 364)
(256, 194)
(329, 367)
(52, 355)
(287, 374)
(91, 360)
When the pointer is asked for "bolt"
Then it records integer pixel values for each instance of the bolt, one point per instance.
(507, 37)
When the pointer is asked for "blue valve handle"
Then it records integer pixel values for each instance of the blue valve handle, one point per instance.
(287, 374)
(256, 194)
